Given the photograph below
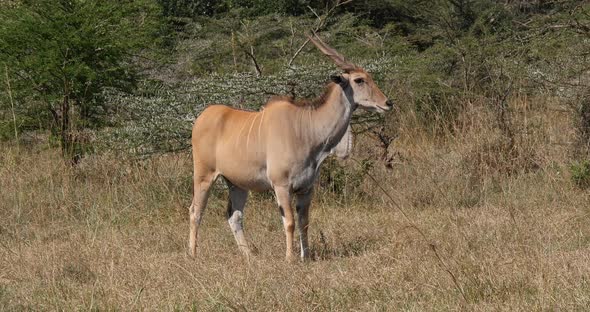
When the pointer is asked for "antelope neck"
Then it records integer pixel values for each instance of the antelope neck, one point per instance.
(330, 119)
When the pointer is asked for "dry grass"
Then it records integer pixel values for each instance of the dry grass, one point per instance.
(111, 234)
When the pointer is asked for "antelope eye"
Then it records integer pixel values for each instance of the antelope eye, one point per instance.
(359, 80)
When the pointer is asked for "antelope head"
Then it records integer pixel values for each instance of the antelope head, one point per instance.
(355, 80)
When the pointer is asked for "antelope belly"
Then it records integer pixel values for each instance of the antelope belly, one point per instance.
(253, 179)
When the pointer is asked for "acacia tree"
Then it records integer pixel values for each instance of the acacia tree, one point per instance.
(60, 56)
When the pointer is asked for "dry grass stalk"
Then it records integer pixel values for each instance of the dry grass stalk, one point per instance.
(110, 233)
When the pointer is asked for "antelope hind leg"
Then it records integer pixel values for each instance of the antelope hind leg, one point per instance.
(235, 216)
(202, 184)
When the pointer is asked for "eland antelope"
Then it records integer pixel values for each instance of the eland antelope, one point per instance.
(279, 148)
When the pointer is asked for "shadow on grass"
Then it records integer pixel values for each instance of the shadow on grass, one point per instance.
(327, 249)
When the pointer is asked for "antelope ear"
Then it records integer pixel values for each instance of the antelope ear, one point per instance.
(336, 78)
(344, 147)
(339, 79)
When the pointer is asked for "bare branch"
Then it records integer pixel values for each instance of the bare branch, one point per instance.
(256, 66)
(9, 90)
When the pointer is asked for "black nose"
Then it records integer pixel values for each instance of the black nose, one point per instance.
(389, 103)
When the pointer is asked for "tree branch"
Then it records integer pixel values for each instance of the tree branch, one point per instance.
(256, 66)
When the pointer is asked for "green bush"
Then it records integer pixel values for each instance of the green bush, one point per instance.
(581, 174)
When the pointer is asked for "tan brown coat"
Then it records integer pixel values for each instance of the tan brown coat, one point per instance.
(280, 147)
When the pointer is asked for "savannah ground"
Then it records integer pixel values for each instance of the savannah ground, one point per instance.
(111, 233)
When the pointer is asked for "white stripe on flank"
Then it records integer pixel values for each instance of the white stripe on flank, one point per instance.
(249, 131)
(240, 134)
(260, 124)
